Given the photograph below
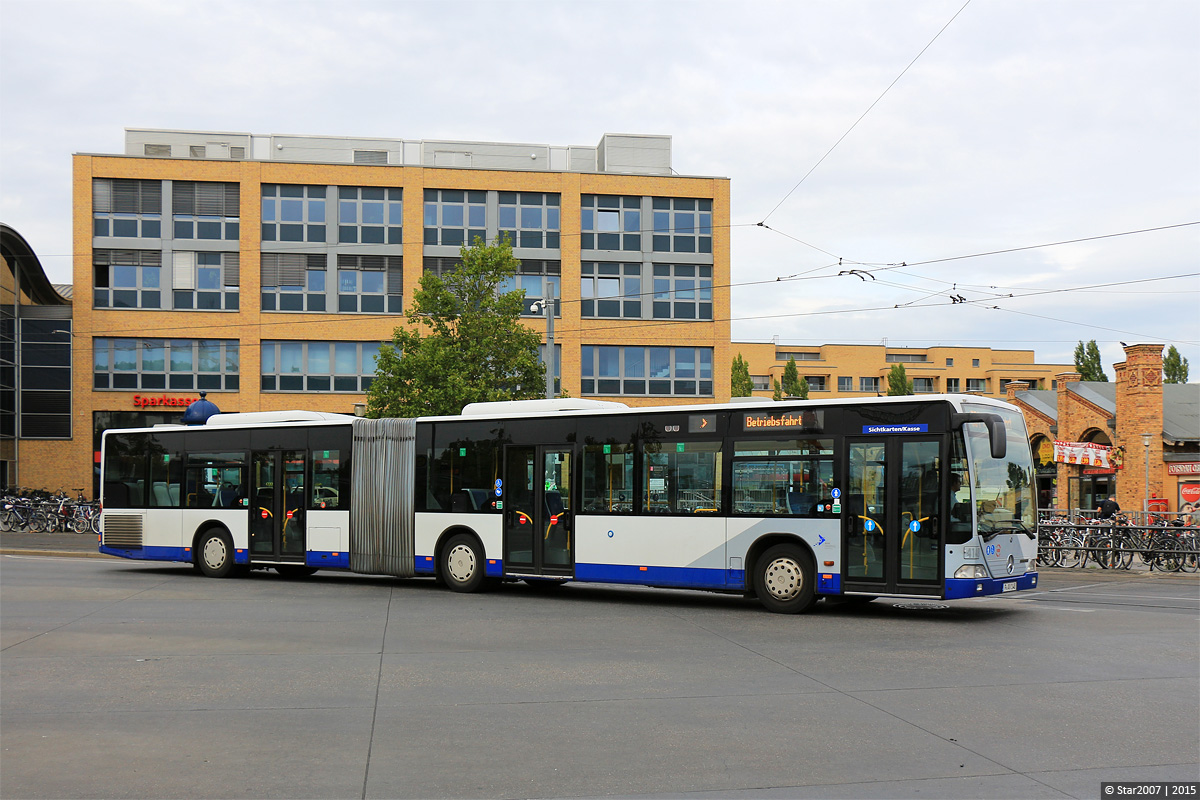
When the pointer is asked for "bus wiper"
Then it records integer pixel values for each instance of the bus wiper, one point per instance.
(1017, 526)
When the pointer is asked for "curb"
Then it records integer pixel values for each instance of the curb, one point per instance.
(14, 551)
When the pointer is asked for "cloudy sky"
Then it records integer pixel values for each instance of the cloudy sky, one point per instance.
(892, 138)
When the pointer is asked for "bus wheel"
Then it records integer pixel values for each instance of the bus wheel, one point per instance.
(784, 580)
(214, 554)
(294, 570)
(463, 564)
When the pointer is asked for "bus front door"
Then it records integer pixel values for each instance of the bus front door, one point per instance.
(277, 505)
(892, 525)
(538, 510)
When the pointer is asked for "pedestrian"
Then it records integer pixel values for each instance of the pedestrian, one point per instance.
(1109, 508)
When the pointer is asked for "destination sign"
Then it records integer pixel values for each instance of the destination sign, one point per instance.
(806, 420)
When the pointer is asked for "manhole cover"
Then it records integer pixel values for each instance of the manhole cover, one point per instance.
(920, 606)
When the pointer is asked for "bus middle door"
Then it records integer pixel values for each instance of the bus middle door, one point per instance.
(538, 510)
(278, 488)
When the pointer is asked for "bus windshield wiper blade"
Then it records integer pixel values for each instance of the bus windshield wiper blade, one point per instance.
(1017, 526)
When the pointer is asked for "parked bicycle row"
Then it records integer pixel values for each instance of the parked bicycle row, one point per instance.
(1119, 546)
(42, 512)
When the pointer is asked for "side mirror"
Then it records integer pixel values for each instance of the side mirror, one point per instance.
(995, 424)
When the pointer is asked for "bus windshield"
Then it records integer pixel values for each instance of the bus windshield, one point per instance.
(1002, 488)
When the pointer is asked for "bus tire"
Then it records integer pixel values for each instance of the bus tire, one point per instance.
(214, 553)
(463, 566)
(785, 580)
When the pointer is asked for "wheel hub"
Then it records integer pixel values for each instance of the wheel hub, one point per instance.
(460, 563)
(784, 579)
(214, 553)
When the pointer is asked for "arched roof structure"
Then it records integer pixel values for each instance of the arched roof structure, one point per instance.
(20, 257)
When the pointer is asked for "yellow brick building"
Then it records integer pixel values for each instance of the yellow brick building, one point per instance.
(859, 370)
(266, 270)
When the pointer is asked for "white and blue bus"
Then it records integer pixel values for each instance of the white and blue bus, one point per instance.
(916, 497)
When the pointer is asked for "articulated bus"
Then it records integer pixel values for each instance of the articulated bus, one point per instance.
(915, 497)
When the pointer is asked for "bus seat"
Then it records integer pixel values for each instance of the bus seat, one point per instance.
(162, 497)
(173, 493)
(460, 502)
(228, 495)
(554, 503)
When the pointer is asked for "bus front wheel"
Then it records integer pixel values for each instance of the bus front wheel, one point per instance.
(784, 580)
(463, 564)
(214, 553)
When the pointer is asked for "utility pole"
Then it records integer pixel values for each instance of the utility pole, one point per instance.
(547, 306)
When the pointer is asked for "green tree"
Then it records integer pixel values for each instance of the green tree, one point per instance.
(778, 395)
(1088, 363)
(1175, 367)
(793, 384)
(898, 382)
(740, 383)
(465, 342)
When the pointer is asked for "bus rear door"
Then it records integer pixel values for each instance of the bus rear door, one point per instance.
(538, 510)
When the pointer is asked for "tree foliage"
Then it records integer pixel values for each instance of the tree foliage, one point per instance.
(1088, 363)
(1175, 367)
(898, 382)
(740, 383)
(464, 342)
(793, 385)
(778, 395)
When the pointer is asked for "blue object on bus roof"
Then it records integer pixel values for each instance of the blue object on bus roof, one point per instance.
(199, 412)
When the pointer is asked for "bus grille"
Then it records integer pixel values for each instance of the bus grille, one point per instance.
(123, 531)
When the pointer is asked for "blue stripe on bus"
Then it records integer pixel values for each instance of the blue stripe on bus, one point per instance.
(152, 553)
(684, 577)
(958, 588)
(829, 583)
(328, 559)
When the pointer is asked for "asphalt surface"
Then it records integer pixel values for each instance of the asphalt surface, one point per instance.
(128, 679)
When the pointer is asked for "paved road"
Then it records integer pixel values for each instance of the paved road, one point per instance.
(124, 679)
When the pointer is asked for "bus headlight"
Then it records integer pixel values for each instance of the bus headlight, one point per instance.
(971, 571)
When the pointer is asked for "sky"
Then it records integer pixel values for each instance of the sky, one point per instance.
(1006, 173)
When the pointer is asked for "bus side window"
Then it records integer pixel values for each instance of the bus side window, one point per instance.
(607, 479)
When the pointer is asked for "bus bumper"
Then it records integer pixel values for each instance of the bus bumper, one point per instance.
(958, 588)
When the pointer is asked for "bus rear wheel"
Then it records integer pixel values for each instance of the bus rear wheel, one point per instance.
(463, 564)
(784, 580)
(214, 553)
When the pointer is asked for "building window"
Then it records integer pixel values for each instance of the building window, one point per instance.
(952, 385)
(610, 222)
(178, 364)
(293, 281)
(293, 213)
(609, 290)
(868, 385)
(949, 362)
(761, 383)
(845, 384)
(127, 278)
(318, 366)
(653, 371)
(816, 383)
(126, 208)
(802, 356)
(541, 281)
(45, 378)
(205, 281)
(682, 291)
(454, 217)
(974, 362)
(370, 284)
(976, 384)
(922, 385)
(370, 215)
(530, 219)
(205, 210)
(682, 225)
(905, 358)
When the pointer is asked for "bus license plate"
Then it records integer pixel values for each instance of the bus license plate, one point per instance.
(1011, 586)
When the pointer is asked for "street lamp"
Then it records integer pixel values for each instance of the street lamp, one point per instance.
(1146, 437)
(546, 305)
